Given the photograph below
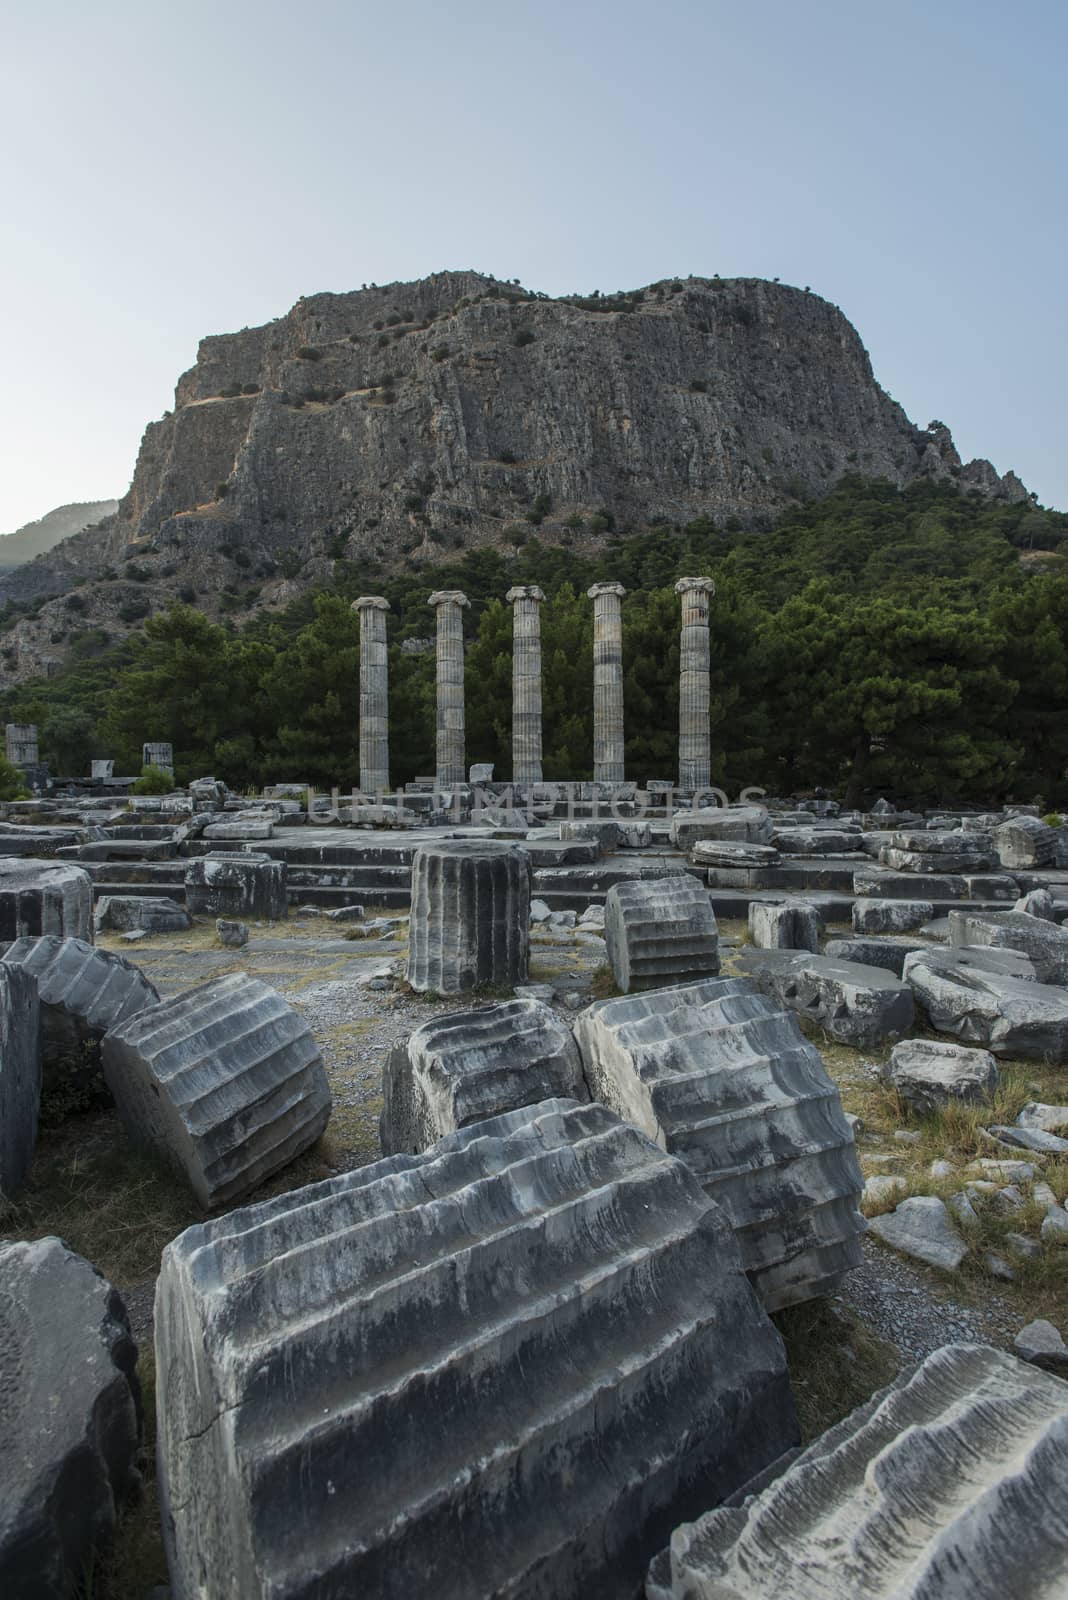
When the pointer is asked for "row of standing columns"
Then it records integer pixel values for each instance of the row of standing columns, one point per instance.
(695, 755)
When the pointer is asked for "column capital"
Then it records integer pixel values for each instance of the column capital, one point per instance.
(370, 602)
(686, 585)
(604, 588)
(525, 591)
(448, 597)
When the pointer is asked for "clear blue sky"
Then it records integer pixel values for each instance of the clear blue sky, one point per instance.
(172, 170)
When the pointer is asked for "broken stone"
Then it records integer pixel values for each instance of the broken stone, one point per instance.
(1051, 1119)
(1025, 843)
(535, 991)
(804, 841)
(942, 1169)
(909, 1497)
(20, 1087)
(930, 1074)
(883, 1187)
(726, 1080)
(44, 897)
(247, 885)
(538, 1332)
(998, 1267)
(905, 1136)
(660, 930)
(127, 913)
(921, 1228)
(602, 831)
(592, 917)
(232, 935)
(1036, 1139)
(539, 911)
(1042, 1346)
(856, 1005)
(1023, 1248)
(890, 916)
(1044, 943)
(83, 991)
(963, 994)
(352, 913)
(886, 953)
(462, 1068)
(1004, 1171)
(635, 836)
(223, 1082)
(70, 1403)
(470, 916)
(733, 854)
(744, 824)
(1054, 1228)
(1039, 903)
(784, 925)
(964, 1212)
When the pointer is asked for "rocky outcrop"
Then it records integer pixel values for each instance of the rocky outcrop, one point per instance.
(506, 1367)
(399, 420)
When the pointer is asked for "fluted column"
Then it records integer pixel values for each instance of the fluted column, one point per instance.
(374, 694)
(695, 754)
(526, 683)
(607, 681)
(470, 916)
(449, 604)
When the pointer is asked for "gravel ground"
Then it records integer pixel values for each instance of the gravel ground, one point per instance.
(915, 1313)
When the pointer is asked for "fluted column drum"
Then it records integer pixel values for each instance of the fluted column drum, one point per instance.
(526, 683)
(470, 920)
(374, 694)
(450, 768)
(607, 681)
(695, 751)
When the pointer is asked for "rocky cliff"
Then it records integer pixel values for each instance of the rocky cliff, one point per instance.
(396, 423)
(34, 538)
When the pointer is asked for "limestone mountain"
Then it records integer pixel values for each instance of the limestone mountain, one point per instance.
(35, 538)
(401, 422)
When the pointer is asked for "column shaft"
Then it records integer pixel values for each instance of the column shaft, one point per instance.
(607, 682)
(450, 767)
(695, 751)
(526, 684)
(374, 694)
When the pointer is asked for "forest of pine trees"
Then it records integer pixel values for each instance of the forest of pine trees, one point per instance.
(913, 643)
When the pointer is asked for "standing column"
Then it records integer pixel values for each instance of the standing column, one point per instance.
(374, 694)
(526, 683)
(695, 753)
(449, 604)
(607, 682)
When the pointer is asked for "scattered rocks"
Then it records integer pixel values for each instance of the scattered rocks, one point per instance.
(921, 1227)
(1054, 1228)
(930, 1074)
(232, 935)
(1051, 1119)
(883, 1187)
(856, 1005)
(353, 913)
(129, 913)
(1041, 1345)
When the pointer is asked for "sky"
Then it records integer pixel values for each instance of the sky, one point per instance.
(170, 171)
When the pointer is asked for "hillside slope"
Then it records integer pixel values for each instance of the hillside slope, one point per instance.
(458, 412)
(38, 537)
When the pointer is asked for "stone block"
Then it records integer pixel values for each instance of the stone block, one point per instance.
(919, 861)
(257, 828)
(964, 993)
(922, 1228)
(811, 841)
(660, 930)
(44, 897)
(856, 1005)
(878, 883)
(232, 935)
(601, 831)
(930, 1074)
(231, 885)
(941, 1485)
(784, 925)
(890, 916)
(1042, 1346)
(944, 842)
(69, 1404)
(504, 1367)
(886, 953)
(1024, 843)
(224, 1082)
(119, 913)
(1038, 903)
(1044, 943)
(745, 824)
(470, 1065)
(732, 854)
(725, 1079)
(470, 916)
(635, 836)
(20, 1084)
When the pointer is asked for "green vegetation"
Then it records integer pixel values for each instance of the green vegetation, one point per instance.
(913, 643)
(11, 784)
(153, 780)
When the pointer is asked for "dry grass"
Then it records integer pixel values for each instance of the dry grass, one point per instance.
(835, 1362)
(134, 1562)
(956, 1135)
